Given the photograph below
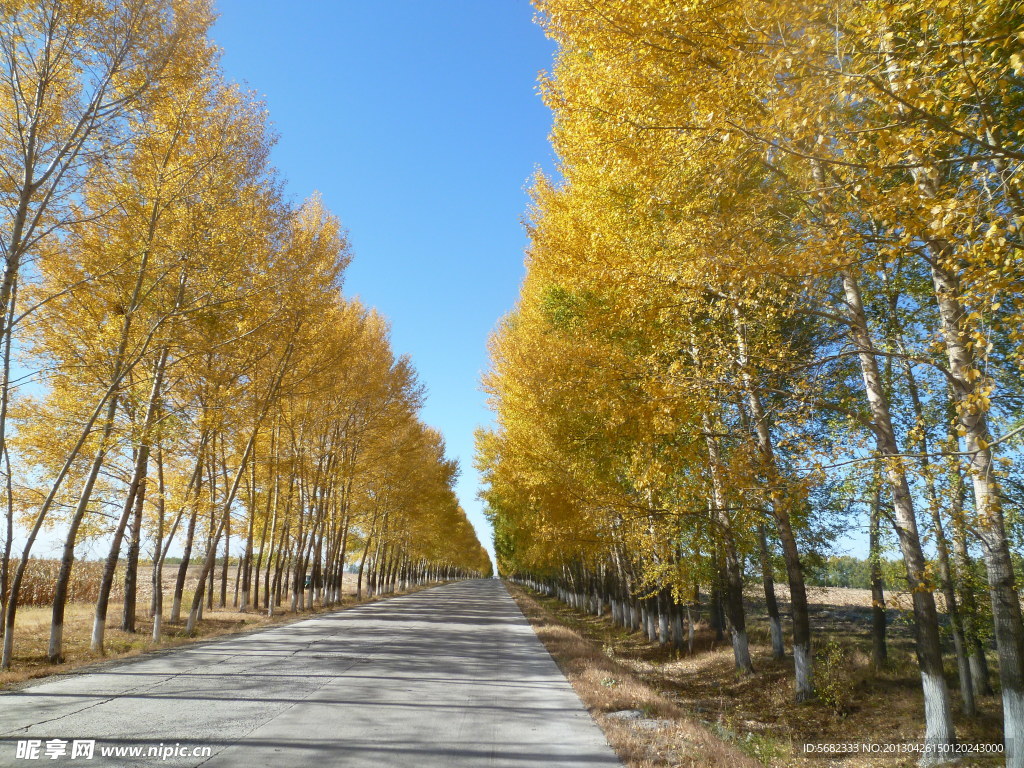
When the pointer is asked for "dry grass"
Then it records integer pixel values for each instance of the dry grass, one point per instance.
(32, 633)
(757, 716)
(606, 686)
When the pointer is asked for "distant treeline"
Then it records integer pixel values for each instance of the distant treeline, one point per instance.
(854, 572)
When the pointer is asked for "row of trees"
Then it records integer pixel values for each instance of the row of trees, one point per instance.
(179, 366)
(779, 279)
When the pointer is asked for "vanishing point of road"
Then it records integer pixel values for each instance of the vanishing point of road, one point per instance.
(449, 677)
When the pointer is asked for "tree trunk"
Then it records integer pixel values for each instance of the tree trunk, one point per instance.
(939, 730)
(879, 650)
(99, 624)
(969, 387)
(733, 566)
(160, 551)
(771, 605)
(922, 445)
(5, 393)
(803, 660)
(11, 608)
(225, 564)
(980, 674)
(186, 557)
(131, 576)
(55, 654)
(232, 491)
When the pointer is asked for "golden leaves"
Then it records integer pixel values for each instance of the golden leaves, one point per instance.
(721, 165)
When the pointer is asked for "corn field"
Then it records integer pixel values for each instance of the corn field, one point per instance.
(40, 582)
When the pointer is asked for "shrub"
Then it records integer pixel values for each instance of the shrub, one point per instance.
(833, 679)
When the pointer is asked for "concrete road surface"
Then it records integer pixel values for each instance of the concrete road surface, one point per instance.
(450, 677)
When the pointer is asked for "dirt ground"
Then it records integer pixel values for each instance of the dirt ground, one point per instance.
(759, 714)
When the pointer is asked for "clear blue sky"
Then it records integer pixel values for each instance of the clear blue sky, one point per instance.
(420, 123)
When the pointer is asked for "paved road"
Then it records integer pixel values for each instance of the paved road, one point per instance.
(450, 677)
